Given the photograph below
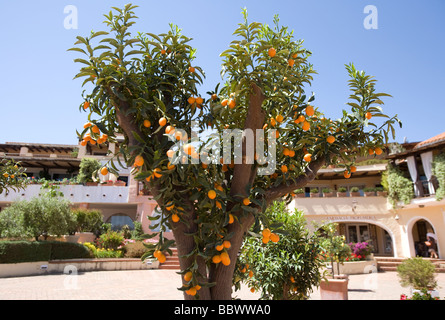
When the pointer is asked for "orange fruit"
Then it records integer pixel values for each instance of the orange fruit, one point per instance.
(170, 208)
(87, 125)
(301, 118)
(104, 171)
(191, 69)
(191, 291)
(286, 151)
(83, 143)
(227, 244)
(353, 169)
(138, 161)
(224, 102)
(163, 51)
(307, 157)
(306, 126)
(225, 259)
(232, 103)
(246, 201)
(310, 111)
(170, 166)
(214, 96)
(188, 276)
(147, 123)
(157, 253)
(191, 100)
(370, 151)
(170, 153)
(211, 194)
(330, 139)
(162, 122)
(219, 247)
(169, 129)
(347, 174)
(216, 259)
(86, 105)
(378, 151)
(291, 153)
(284, 168)
(199, 100)
(265, 240)
(162, 258)
(272, 52)
(95, 129)
(189, 149)
(274, 237)
(368, 115)
(175, 217)
(290, 62)
(231, 218)
(156, 173)
(279, 118)
(266, 233)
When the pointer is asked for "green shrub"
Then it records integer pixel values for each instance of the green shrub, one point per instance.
(67, 250)
(135, 249)
(87, 220)
(24, 251)
(417, 273)
(11, 222)
(111, 240)
(438, 169)
(400, 188)
(87, 168)
(30, 251)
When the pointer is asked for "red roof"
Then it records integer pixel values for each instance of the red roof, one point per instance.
(436, 139)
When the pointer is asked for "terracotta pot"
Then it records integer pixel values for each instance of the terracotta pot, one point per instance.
(370, 194)
(328, 194)
(342, 194)
(334, 289)
(315, 195)
(91, 183)
(355, 194)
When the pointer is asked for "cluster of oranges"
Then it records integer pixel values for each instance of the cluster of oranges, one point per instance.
(93, 136)
(269, 236)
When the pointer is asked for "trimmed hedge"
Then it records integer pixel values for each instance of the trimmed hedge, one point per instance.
(30, 251)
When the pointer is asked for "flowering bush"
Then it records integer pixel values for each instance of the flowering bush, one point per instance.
(362, 249)
(422, 295)
(102, 252)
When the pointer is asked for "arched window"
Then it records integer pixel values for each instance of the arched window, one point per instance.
(119, 220)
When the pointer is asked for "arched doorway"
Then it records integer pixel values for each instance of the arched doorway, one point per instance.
(420, 232)
(377, 236)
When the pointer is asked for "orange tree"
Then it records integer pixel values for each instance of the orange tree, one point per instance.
(12, 176)
(145, 87)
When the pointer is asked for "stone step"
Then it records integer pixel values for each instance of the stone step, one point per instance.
(171, 261)
(390, 264)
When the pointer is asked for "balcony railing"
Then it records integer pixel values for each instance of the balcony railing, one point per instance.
(74, 193)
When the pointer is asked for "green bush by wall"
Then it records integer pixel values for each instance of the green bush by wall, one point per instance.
(30, 251)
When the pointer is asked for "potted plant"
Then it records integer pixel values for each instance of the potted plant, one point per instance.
(335, 288)
(369, 192)
(354, 192)
(342, 192)
(315, 193)
(419, 274)
(88, 224)
(381, 192)
(87, 168)
(327, 192)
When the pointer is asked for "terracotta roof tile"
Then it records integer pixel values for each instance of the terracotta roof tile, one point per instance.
(433, 140)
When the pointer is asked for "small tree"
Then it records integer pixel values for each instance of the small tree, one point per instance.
(335, 247)
(287, 269)
(439, 172)
(400, 188)
(87, 220)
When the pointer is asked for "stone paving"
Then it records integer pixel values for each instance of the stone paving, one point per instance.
(162, 285)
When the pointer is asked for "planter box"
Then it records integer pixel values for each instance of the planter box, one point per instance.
(300, 195)
(315, 195)
(370, 194)
(355, 194)
(91, 184)
(334, 289)
(328, 195)
(342, 194)
(357, 267)
(382, 193)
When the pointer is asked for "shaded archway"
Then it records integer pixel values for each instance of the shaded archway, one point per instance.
(419, 230)
(119, 220)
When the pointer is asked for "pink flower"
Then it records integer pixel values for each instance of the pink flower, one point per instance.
(403, 297)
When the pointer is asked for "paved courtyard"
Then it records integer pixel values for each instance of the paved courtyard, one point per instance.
(162, 285)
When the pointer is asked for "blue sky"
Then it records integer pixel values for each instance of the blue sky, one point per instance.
(40, 99)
